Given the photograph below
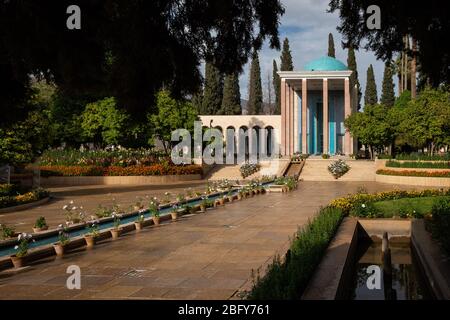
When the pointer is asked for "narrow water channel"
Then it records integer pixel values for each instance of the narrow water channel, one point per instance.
(406, 282)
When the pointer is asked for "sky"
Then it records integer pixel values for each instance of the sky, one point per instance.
(307, 25)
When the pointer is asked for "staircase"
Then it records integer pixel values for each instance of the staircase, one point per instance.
(294, 169)
(317, 170)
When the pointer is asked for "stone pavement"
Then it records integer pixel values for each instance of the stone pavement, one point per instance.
(204, 256)
(90, 197)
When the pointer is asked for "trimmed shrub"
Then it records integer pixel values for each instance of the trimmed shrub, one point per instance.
(288, 279)
(338, 168)
(412, 173)
(34, 195)
(440, 223)
(418, 164)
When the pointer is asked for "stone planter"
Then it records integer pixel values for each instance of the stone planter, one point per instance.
(155, 220)
(115, 233)
(90, 241)
(202, 208)
(221, 201)
(138, 225)
(174, 215)
(59, 249)
(18, 262)
(36, 230)
(137, 208)
(239, 196)
(230, 199)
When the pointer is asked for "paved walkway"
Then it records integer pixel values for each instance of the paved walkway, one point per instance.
(90, 197)
(204, 256)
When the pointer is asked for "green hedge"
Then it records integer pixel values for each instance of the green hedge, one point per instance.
(31, 196)
(417, 156)
(288, 279)
(439, 225)
(418, 164)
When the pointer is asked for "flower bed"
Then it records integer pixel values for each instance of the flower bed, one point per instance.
(338, 168)
(247, 169)
(418, 164)
(154, 170)
(19, 199)
(413, 173)
(116, 157)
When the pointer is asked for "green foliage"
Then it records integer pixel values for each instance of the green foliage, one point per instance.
(440, 223)
(387, 93)
(103, 122)
(365, 210)
(231, 102)
(213, 91)
(255, 95)
(288, 279)
(418, 164)
(351, 63)
(40, 222)
(8, 190)
(423, 156)
(171, 115)
(370, 95)
(6, 232)
(371, 126)
(276, 81)
(286, 57)
(331, 51)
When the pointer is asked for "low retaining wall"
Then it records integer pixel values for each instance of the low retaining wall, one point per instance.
(415, 181)
(117, 180)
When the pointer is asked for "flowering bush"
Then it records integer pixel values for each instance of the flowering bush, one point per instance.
(248, 169)
(22, 247)
(154, 170)
(113, 156)
(412, 173)
(34, 195)
(73, 213)
(348, 203)
(297, 157)
(338, 168)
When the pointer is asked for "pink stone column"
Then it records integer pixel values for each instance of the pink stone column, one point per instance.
(325, 116)
(304, 120)
(291, 123)
(288, 119)
(347, 111)
(283, 116)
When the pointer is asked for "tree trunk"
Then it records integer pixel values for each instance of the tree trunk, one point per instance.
(371, 152)
(413, 69)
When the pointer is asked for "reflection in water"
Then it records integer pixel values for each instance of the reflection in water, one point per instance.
(407, 283)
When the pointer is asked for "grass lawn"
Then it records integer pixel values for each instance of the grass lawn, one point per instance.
(393, 207)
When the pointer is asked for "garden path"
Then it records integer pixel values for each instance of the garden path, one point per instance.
(204, 256)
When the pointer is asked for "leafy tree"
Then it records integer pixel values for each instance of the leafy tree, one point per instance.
(172, 114)
(370, 95)
(331, 51)
(255, 95)
(231, 103)
(103, 122)
(371, 127)
(286, 57)
(387, 93)
(277, 87)
(128, 49)
(213, 91)
(427, 22)
(351, 63)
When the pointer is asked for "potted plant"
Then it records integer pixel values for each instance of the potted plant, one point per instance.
(18, 259)
(230, 196)
(166, 198)
(222, 200)
(92, 234)
(6, 232)
(72, 217)
(64, 240)
(40, 225)
(154, 212)
(181, 198)
(139, 223)
(240, 194)
(174, 212)
(138, 205)
(117, 230)
(204, 203)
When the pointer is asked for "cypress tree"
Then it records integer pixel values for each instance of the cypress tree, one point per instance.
(231, 102)
(255, 95)
(351, 63)
(370, 95)
(331, 51)
(286, 57)
(276, 86)
(212, 93)
(197, 102)
(387, 94)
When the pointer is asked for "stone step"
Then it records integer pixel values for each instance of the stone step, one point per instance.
(317, 170)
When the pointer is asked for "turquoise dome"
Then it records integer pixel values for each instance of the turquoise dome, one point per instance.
(325, 64)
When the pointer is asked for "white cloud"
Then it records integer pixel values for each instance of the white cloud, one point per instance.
(307, 24)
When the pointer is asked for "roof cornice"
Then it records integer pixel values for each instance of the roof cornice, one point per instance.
(314, 74)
